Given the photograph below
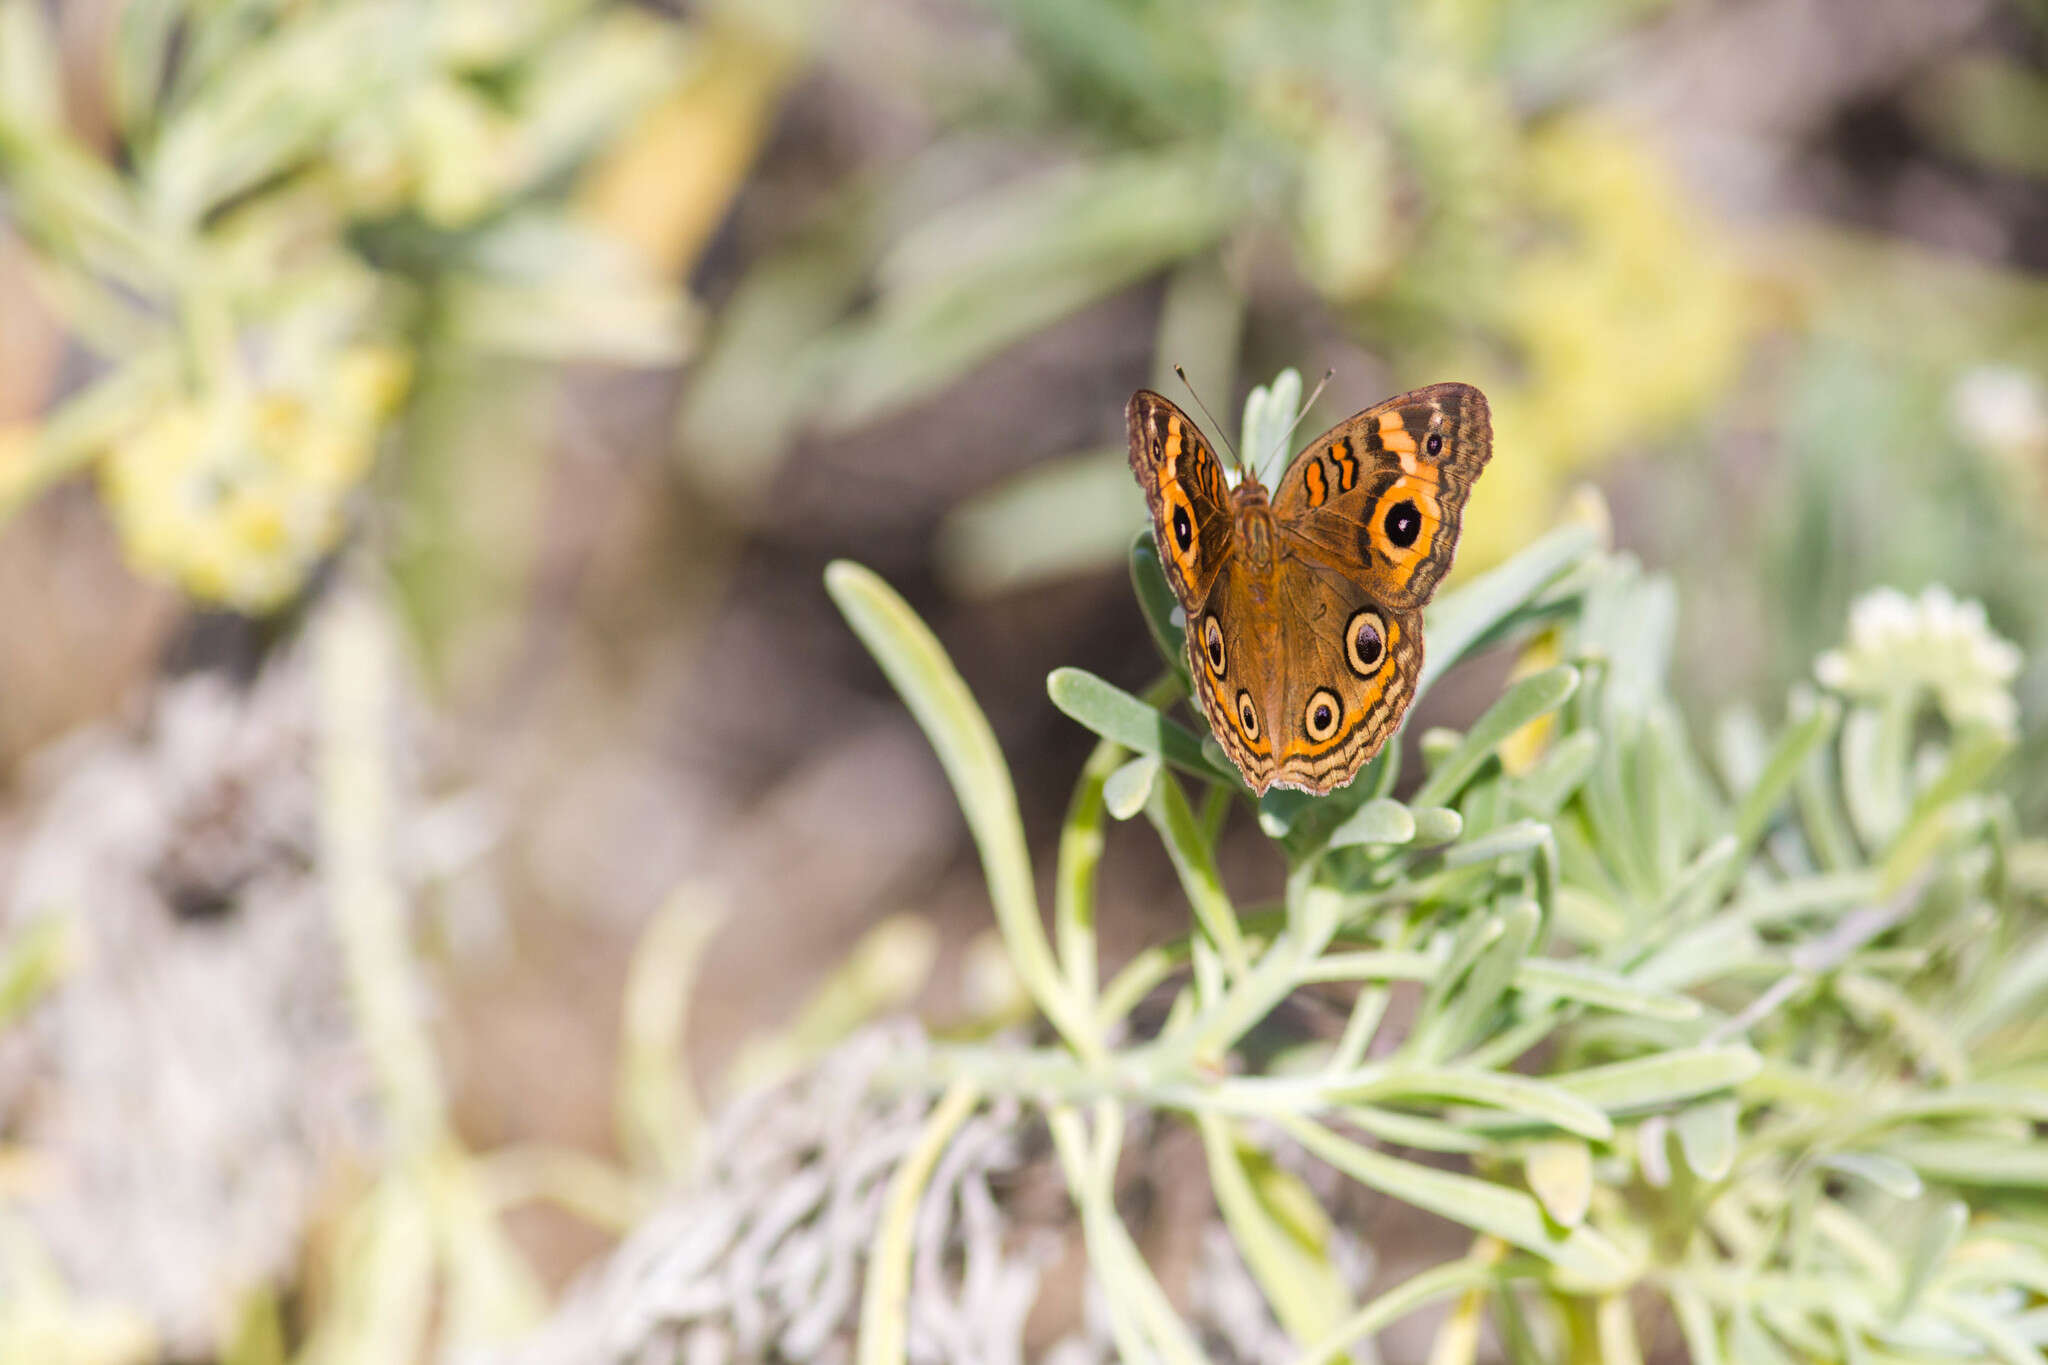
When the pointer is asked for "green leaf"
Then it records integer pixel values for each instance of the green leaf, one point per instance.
(1523, 836)
(1558, 775)
(1707, 1137)
(1693, 889)
(1975, 1161)
(1510, 1215)
(1195, 864)
(1413, 1130)
(1128, 788)
(885, 1297)
(1455, 1011)
(1115, 714)
(1054, 520)
(931, 687)
(1080, 855)
(1695, 1321)
(1269, 413)
(31, 70)
(1646, 1082)
(1881, 1172)
(1503, 1090)
(1010, 261)
(1280, 1230)
(1591, 986)
(32, 964)
(1976, 754)
(1560, 1173)
(1156, 602)
(1788, 757)
(1435, 824)
(1460, 622)
(1376, 822)
(1939, 1232)
(1138, 1307)
(1534, 696)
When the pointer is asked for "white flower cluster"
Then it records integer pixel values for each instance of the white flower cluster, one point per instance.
(1900, 645)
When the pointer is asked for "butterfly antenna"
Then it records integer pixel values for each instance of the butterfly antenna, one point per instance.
(1302, 411)
(1235, 458)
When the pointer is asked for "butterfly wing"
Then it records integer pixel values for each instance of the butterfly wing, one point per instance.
(1184, 489)
(1380, 497)
(1352, 664)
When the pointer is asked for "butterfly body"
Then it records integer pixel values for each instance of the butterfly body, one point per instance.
(1304, 606)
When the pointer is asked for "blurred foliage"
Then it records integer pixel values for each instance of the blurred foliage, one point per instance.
(1387, 151)
(1446, 187)
(1748, 1044)
(306, 209)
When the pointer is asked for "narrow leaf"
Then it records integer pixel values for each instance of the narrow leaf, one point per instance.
(1376, 822)
(1510, 1215)
(1706, 1138)
(1460, 621)
(1126, 790)
(1115, 714)
(1885, 1173)
(931, 687)
(1536, 695)
(1646, 1082)
(1560, 1175)
(1280, 1230)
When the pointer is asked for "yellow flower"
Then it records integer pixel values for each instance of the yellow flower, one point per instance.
(1627, 313)
(236, 495)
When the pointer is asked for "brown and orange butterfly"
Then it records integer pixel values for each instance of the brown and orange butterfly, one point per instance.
(1304, 611)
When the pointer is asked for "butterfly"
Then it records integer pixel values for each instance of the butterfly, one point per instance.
(1304, 610)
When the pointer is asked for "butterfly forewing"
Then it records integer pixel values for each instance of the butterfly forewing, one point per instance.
(1184, 489)
(1381, 497)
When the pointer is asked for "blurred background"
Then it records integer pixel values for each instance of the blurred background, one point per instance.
(423, 427)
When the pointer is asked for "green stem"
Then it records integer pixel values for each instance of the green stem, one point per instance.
(885, 1298)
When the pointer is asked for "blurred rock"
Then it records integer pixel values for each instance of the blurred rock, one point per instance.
(193, 1081)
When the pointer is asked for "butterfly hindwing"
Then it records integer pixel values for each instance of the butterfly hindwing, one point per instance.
(1351, 668)
(1184, 488)
(1380, 497)
(1234, 648)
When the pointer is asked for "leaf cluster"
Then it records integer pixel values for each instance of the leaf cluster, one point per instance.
(1753, 1039)
(297, 202)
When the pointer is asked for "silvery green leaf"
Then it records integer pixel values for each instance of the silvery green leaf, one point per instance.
(1054, 520)
(1126, 790)
(1115, 714)
(1707, 1137)
(1534, 696)
(916, 664)
(1888, 1174)
(1560, 1174)
(1375, 822)
(1481, 1205)
(1647, 1082)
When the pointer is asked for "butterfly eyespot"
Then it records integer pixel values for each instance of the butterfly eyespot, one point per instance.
(1212, 644)
(1183, 527)
(1246, 716)
(1319, 719)
(1403, 523)
(1365, 642)
(1435, 444)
